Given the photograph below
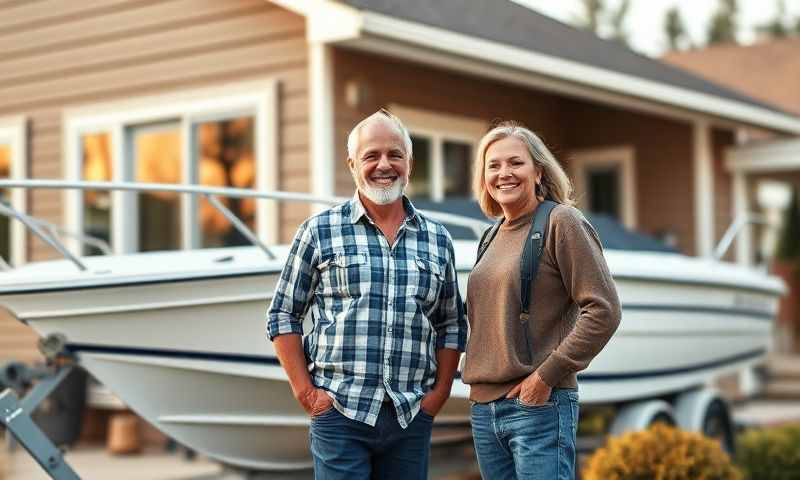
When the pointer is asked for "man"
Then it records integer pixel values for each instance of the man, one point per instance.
(388, 322)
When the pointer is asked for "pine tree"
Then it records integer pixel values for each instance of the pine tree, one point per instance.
(618, 17)
(675, 29)
(724, 25)
(776, 28)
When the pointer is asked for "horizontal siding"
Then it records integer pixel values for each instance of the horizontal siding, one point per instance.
(61, 54)
(17, 341)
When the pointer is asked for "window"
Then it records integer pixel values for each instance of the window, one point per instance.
(444, 147)
(604, 182)
(224, 137)
(12, 165)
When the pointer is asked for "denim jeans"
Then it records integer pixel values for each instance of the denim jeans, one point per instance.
(517, 441)
(346, 449)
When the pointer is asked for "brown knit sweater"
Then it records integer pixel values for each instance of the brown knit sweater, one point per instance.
(573, 313)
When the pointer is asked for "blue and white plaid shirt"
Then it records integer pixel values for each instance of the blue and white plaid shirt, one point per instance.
(379, 312)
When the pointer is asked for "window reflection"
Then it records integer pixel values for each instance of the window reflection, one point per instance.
(226, 160)
(457, 159)
(96, 162)
(419, 186)
(5, 172)
(156, 151)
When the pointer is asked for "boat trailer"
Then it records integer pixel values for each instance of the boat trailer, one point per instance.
(15, 412)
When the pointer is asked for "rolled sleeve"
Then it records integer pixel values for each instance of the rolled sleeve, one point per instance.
(450, 322)
(295, 287)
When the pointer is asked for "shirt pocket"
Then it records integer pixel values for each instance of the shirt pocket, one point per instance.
(426, 282)
(342, 274)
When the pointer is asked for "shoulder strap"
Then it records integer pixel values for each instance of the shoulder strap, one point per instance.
(532, 252)
(486, 239)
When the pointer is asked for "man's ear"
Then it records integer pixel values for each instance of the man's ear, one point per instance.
(350, 163)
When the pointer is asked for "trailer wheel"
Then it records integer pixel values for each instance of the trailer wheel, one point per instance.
(703, 410)
(717, 425)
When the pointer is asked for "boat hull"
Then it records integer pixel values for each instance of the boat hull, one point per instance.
(189, 353)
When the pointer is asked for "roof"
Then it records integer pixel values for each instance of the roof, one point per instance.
(509, 23)
(768, 71)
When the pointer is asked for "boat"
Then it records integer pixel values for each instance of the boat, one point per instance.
(179, 336)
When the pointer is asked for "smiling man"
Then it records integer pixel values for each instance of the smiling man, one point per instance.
(388, 321)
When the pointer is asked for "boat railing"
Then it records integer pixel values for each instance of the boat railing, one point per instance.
(737, 227)
(50, 233)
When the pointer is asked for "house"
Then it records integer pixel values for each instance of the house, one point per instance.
(258, 93)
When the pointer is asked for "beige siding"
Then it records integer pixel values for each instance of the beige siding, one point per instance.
(58, 54)
(17, 341)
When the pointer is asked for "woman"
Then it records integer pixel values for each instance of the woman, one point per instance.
(523, 377)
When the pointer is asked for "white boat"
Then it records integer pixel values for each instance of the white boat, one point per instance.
(180, 337)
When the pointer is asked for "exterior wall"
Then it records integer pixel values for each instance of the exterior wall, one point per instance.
(382, 81)
(59, 54)
(663, 158)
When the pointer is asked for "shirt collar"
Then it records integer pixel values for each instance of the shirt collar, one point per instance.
(357, 211)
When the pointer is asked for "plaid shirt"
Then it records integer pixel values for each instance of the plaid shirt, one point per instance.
(379, 312)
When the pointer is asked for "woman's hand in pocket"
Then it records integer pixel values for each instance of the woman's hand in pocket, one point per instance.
(531, 391)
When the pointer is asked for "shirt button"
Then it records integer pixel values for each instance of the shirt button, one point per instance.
(391, 303)
(389, 330)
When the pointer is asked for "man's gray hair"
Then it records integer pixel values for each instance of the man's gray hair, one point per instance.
(384, 116)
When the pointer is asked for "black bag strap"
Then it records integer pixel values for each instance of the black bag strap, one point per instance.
(531, 254)
(486, 239)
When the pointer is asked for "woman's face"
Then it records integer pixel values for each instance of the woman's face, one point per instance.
(510, 175)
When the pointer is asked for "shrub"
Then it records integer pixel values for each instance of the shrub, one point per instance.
(660, 453)
(770, 454)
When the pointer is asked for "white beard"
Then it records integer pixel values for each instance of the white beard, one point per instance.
(384, 196)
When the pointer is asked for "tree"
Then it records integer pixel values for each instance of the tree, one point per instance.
(776, 28)
(603, 21)
(592, 9)
(724, 25)
(675, 29)
(618, 17)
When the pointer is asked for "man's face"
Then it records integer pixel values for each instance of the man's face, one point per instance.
(381, 167)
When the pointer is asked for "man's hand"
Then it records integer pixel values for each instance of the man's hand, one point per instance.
(434, 400)
(531, 391)
(315, 401)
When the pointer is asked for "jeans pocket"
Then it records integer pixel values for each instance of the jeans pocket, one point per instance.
(542, 406)
(324, 414)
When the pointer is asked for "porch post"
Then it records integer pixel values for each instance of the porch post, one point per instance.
(744, 242)
(703, 189)
(321, 120)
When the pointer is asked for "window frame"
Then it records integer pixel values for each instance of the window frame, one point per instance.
(621, 157)
(258, 99)
(13, 131)
(439, 128)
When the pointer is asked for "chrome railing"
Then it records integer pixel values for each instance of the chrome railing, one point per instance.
(50, 233)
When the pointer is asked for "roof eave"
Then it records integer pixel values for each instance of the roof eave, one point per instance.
(333, 22)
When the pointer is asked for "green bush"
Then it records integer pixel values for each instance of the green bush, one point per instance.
(770, 453)
(660, 453)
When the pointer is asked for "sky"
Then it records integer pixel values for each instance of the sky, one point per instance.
(646, 18)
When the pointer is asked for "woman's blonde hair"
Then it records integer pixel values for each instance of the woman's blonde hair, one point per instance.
(555, 184)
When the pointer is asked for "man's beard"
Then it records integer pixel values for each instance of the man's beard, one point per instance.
(383, 196)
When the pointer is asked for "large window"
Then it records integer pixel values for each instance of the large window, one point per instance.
(224, 137)
(444, 149)
(12, 166)
(605, 182)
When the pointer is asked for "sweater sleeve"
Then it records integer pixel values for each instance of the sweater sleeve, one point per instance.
(585, 274)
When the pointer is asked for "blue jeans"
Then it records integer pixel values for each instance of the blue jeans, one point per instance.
(517, 441)
(346, 449)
